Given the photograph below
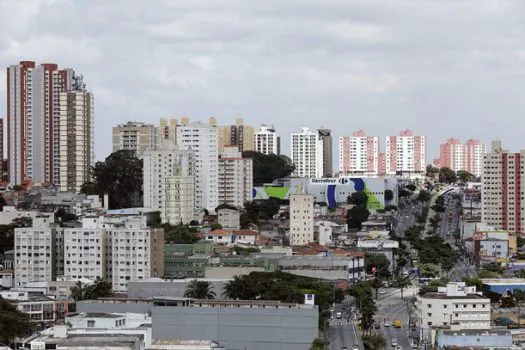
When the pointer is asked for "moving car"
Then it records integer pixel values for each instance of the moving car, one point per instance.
(355, 347)
(386, 324)
(397, 323)
(394, 342)
(338, 315)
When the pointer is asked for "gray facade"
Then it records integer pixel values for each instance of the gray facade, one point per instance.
(90, 306)
(239, 328)
(174, 288)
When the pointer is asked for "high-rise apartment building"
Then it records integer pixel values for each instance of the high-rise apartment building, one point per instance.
(240, 135)
(135, 136)
(457, 156)
(169, 184)
(503, 185)
(307, 154)
(33, 120)
(167, 133)
(235, 177)
(202, 140)
(77, 141)
(266, 141)
(405, 154)
(326, 137)
(39, 254)
(301, 219)
(359, 155)
(2, 149)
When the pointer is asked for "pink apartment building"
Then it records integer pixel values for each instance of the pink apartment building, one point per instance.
(359, 155)
(405, 154)
(457, 156)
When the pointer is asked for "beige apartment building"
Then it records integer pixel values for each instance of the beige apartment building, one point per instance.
(240, 135)
(301, 219)
(135, 136)
(77, 140)
(503, 189)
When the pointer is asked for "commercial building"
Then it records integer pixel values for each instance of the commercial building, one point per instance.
(202, 140)
(326, 137)
(39, 308)
(405, 154)
(334, 191)
(169, 184)
(502, 189)
(490, 245)
(457, 156)
(235, 177)
(350, 267)
(454, 305)
(307, 154)
(134, 136)
(301, 219)
(240, 324)
(359, 155)
(384, 247)
(76, 139)
(39, 252)
(33, 120)
(266, 141)
(474, 339)
(240, 135)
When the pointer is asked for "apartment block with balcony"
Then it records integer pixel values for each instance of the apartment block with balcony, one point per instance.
(235, 177)
(135, 136)
(405, 154)
(456, 306)
(359, 155)
(266, 141)
(307, 154)
(39, 308)
(240, 135)
(457, 156)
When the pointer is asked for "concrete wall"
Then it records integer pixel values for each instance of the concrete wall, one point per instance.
(165, 289)
(230, 271)
(474, 340)
(88, 306)
(239, 328)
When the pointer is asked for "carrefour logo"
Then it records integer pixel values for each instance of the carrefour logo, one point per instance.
(324, 181)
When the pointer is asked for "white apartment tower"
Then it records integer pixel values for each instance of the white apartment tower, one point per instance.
(301, 219)
(39, 252)
(33, 120)
(77, 146)
(307, 154)
(202, 140)
(235, 177)
(135, 136)
(359, 154)
(169, 184)
(266, 140)
(503, 185)
(405, 154)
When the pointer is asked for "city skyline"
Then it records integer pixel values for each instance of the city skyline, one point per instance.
(347, 65)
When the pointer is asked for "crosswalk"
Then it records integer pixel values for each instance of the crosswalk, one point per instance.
(404, 323)
(339, 322)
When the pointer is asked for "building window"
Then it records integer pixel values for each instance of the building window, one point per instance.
(91, 324)
(429, 323)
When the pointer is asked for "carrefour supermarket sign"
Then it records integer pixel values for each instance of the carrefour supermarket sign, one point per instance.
(330, 181)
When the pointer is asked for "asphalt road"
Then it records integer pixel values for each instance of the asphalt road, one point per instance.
(390, 308)
(343, 332)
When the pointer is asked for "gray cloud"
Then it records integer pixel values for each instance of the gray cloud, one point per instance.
(440, 67)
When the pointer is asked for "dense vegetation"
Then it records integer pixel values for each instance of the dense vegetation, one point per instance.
(267, 168)
(359, 212)
(13, 323)
(120, 177)
(98, 289)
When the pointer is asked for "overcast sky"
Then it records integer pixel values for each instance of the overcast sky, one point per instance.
(439, 67)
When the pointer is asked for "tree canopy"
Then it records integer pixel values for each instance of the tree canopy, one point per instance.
(389, 195)
(255, 211)
(7, 232)
(465, 176)
(379, 262)
(13, 323)
(225, 206)
(98, 289)
(180, 234)
(120, 177)
(447, 175)
(267, 168)
(199, 290)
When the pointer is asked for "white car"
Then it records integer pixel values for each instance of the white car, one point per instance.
(355, 347)
(386, 324)
(382, 291)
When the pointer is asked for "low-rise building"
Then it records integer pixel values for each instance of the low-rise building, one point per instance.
(231, 237)
(454, 305)
(348, 268)
(380, 246)
(6, 279)
(491, 244)
(494, 339)
(229, 218)
(39, 307)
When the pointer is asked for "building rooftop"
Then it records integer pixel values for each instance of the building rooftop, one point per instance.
(475, 332)
(94, 315)
(435, 295)
(92, 341)
(503, 281)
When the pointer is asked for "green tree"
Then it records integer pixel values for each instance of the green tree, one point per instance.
(379, 262)
(367, 310)
(473, 281)
(180, 234)
(411, 187)
(318, 344)
(120, 177)
(62, 215)
(432, 169)
(225, 206)
(237, 288)
(376, 284)
(359, 198)
(520, 241)
(356, 216)
(199, 290)
(429, 270)
(389, 195)
(402, 283)
(270, 207)
(13, 323)
(447, 175)
(374, 342)
(215, 226)
(267, 168)
(423, 196)
(98, 289)
(465, 176)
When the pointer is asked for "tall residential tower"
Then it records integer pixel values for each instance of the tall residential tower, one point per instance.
(359, 155)
(307, 154)
(405, 154)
